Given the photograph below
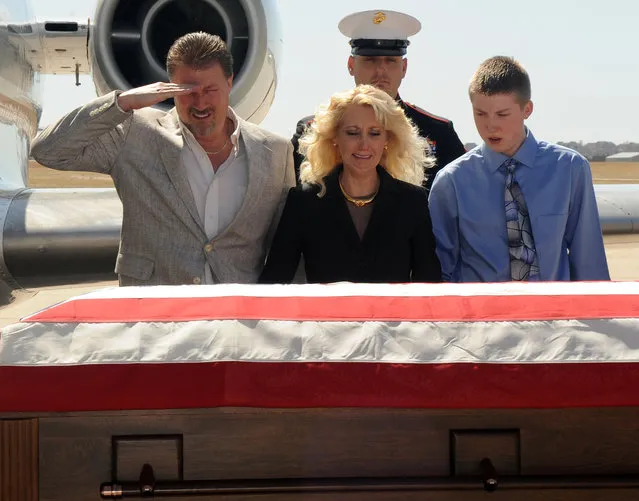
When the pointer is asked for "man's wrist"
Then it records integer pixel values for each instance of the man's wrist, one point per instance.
(121, 103)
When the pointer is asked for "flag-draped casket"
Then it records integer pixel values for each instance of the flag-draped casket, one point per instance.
(346, 345)
(354, 381)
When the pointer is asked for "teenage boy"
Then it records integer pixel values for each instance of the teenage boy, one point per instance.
(515, 208)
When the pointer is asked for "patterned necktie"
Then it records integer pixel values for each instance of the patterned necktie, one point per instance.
(521, 245)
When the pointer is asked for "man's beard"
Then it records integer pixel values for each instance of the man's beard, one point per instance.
(202, 130)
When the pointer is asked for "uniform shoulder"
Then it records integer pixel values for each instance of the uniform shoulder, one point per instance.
(303, 124)
(306, 121)
(420, 111)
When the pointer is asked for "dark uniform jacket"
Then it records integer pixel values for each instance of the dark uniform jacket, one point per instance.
(397, 246)
(439, 132)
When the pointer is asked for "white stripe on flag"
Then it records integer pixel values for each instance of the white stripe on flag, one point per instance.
(383, 290)
(612, 340)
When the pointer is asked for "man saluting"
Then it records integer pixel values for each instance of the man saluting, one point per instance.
(201, 188)
(378, 47)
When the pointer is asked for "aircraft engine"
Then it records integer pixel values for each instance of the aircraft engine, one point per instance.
(129, 41)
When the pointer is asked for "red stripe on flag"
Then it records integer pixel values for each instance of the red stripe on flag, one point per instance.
(299, 385)
(350, 308)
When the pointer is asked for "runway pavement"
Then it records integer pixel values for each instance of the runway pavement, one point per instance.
(622, 252)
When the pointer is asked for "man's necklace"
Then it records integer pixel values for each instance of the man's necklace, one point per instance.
(220, 150)
(228, 138)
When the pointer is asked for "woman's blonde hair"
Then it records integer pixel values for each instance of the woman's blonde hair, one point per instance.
(405, 158)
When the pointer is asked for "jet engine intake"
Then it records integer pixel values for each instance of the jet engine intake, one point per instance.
(130, 39)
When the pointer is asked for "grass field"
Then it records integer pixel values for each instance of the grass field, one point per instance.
(41, 177)
(615, 172)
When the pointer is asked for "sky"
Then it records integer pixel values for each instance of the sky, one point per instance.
(581, 56)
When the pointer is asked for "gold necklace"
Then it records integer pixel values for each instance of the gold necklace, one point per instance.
(359, 202)
(218, 151)
(226, 127)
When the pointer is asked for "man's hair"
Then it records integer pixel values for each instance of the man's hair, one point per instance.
(405, 157)
(501, 75)
(199, 50)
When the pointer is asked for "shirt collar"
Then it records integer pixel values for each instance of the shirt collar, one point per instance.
(235, 136)
(525, 154)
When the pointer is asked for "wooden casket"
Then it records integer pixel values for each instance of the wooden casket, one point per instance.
(343, 391)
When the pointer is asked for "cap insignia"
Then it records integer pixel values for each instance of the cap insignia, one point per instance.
(379, 18)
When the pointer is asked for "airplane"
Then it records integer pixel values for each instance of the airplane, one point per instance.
(63, 236)
(67, 235)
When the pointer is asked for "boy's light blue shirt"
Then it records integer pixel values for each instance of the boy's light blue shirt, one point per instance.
(467, 210)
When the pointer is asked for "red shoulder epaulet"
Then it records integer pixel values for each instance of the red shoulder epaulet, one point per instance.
(308, 120)
(424, 112)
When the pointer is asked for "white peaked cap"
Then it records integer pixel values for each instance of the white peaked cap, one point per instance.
(379, 32)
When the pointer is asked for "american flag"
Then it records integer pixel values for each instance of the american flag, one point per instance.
(511, 345)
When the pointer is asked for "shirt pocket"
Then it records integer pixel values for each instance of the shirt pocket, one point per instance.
(134, 266)
(549, 231)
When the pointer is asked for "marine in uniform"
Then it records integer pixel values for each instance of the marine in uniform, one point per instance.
(378, 41)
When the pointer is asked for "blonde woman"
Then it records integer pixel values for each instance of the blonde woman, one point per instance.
(361, 214)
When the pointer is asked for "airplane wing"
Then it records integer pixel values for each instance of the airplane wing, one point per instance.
(618, 206)
(55, 47)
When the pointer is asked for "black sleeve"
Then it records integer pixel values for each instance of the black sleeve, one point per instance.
(450, 149)
(425, 265)
(297, 158)
(454, 147)
(286, 249)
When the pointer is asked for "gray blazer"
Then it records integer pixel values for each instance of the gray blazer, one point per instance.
(163, 240)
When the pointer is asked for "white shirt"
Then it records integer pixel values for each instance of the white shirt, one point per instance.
(218, 194)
